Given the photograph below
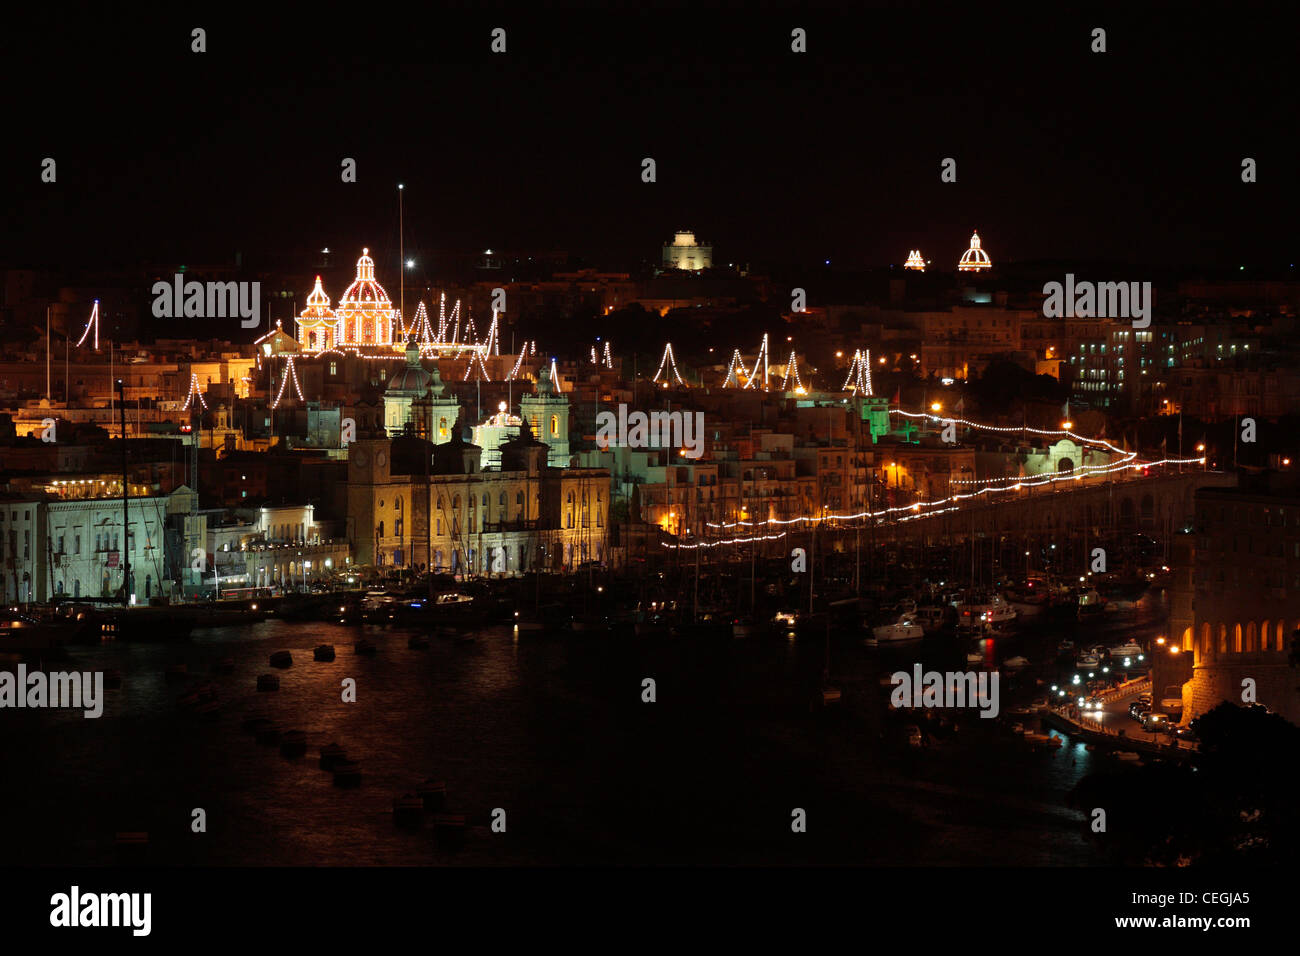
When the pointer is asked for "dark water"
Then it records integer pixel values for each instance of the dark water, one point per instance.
(552, 730)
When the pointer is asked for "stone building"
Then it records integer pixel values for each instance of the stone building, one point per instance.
(1247, 599)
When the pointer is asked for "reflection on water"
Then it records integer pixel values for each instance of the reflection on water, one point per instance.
(554, 731)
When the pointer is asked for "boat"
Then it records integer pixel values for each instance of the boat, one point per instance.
(281, 659)
(931, 617)
(975, 657)
(1032, 598)
(1015, 663)
(904, 629)
(1128, 649)
(268, 682)
(1088, 661)
(323, 652)
(1090, 603)
(1128, 756)
(988, 609)
(293, 743)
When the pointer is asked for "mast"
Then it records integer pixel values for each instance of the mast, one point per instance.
(126, 495)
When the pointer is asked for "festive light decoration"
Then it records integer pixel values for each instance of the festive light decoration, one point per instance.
(719, 544)
(477, 362)
(792, 371)
(520, 361)
(607, 359)
(974, 259)
(762, 359)
(667, 361)
(93, 322)
(194, 393)
(422, 330)
(914, 261)
(289, 373)
(859, 378)
(365, 313)
(924, 509)
(555, 375)
(736, 366)
(317, 325)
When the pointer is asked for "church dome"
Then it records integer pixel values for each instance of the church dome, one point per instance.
(412, 381)
(365, 311)
(974, 259)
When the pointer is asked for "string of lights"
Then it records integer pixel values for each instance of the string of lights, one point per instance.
(668, 361)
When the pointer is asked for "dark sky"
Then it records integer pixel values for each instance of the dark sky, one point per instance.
(1131, 155)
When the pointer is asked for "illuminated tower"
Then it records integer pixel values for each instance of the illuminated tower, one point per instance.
(547, 413)
(974, 259)
(316, 325)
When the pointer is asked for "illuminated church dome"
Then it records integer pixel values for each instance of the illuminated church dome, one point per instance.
(914, 261)
(974, 259)
(365, 313)
(316, 324)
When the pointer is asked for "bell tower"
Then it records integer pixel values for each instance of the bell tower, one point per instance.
(547, 414)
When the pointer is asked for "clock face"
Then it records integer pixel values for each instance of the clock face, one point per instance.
(360, 458)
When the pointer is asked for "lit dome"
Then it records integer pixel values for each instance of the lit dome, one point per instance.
(365, 312)
(914, 261)
(974, 259)
(412, 381)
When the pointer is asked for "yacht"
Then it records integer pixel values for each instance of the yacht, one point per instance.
(904, 629)
(931, 617)
(1128, 649)
(990, 610)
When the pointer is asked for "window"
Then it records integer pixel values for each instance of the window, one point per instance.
(76, 544)
(555, 426)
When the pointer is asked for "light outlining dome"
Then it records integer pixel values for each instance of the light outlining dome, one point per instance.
(914, 261)
(974, 259)
(316, 323)
(365, 313)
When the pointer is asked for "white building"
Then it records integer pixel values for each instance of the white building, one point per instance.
(684, 252)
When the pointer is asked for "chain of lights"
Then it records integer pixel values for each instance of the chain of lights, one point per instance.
(792, 369)
(422, 330)
(477, 362)
(762, 358)
(719, 544)
(974, 259)
(593, 356)
(492, 345)
(914, 261)
(607, 359)
(365, 312)
(289, 373)
(94, 321)
(555, 374)
(858, 380)
(732, 379)
(668, 360)
(518, 363)
(194, 393)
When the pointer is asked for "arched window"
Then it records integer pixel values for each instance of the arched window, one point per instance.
(1250, 637)
(1263, 636)
(555, 426)
(1236, 638)
(1223, 638)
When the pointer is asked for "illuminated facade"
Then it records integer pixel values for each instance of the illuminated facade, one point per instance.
(685, 253)
(914, 261)
(317, 324)
(363, 318)
(974, 259)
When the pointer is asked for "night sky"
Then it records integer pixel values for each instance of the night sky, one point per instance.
(1133, 155)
